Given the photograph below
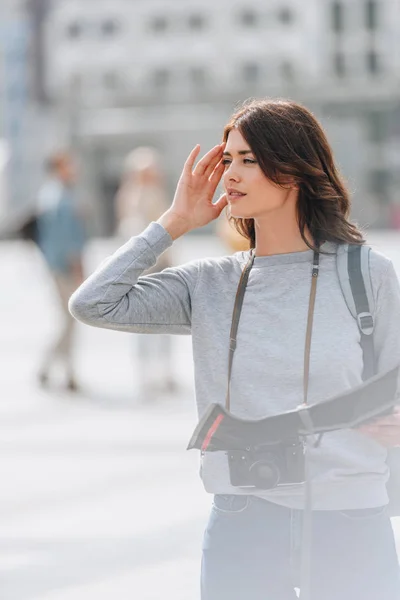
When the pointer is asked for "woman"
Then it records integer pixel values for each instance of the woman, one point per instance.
(285, 193)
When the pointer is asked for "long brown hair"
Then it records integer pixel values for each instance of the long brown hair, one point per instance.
(289, 143)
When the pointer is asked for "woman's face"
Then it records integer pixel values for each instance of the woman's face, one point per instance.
(250, 193)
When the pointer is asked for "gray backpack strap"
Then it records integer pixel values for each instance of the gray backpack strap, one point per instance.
(355, 280)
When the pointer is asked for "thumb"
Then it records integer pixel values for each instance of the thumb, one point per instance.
(220, 204)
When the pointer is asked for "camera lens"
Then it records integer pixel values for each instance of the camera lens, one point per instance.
(264, 474)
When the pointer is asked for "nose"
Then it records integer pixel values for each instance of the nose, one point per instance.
(231, 174)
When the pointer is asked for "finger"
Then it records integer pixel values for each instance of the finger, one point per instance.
(370, 430)
(386, 422)
(373, 436)
(386, 441)
(204, 163)
(387, 435)
(390, 419)
(217, 174)
(367, 430)
(213, 163)
(220, 204)
(207, 158)
(191, 159)
(372, 427)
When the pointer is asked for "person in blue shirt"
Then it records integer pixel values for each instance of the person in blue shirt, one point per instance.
(61, 238)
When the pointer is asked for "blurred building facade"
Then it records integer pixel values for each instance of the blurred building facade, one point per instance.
(169, 73)
(26, 124)
(13, 98)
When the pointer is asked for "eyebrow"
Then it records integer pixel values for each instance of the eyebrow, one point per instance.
(241, 152)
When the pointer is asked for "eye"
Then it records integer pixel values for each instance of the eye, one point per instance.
(226, 161)
(250, 161)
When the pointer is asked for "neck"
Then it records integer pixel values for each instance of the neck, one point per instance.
(278, 234)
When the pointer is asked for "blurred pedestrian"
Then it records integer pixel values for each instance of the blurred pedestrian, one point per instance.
(61, 238)
(141, 199)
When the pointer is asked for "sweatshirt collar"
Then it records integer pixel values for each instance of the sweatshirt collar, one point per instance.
(289, 258)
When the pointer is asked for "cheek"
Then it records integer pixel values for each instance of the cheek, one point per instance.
(257, 178)
(273, 194)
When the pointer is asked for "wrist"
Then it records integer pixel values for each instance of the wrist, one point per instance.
(175, 225)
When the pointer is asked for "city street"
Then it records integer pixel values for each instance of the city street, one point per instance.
(99, 497)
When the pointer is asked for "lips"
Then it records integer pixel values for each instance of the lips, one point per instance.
(232, 193)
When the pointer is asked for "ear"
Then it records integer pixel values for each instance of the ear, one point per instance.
(290, 186)
(288, 183)
(292, 183)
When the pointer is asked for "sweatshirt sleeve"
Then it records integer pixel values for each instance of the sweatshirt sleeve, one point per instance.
(387, 323)
(117, 296)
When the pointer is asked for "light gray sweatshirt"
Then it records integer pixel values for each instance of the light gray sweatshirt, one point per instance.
(348, 469)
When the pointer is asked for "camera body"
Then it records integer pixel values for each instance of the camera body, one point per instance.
(267, 466)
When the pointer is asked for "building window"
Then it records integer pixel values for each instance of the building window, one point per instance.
(251, 72)
(248, 18)
(109, 27)
(339, 64)
(74, 30)
(161, 78)
(159, 24)
(196, 22)
(371, 15)
(337, 16)
(373, 65)
(286, 16)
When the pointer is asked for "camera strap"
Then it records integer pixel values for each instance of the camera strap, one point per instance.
(237, 309)
(305, 570)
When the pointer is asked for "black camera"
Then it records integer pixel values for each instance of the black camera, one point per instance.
(268, 465)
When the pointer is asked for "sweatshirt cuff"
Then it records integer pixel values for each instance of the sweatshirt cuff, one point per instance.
(157, 238)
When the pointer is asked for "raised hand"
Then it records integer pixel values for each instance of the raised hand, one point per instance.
(385, 430)
(192, 206)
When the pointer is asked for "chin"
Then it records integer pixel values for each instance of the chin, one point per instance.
(240, 214)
